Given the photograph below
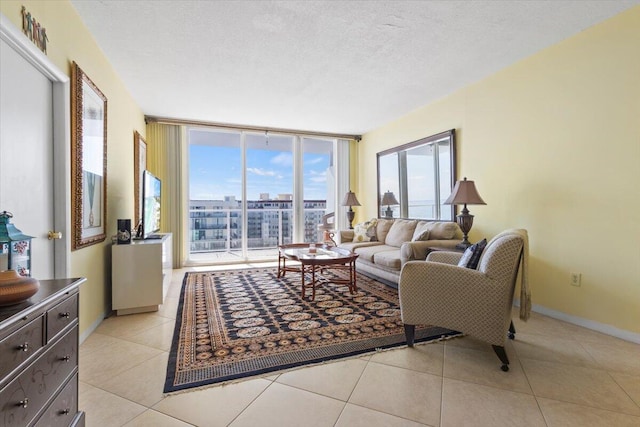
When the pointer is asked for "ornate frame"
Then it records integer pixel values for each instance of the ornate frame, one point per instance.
(139, 166)
(88, 161)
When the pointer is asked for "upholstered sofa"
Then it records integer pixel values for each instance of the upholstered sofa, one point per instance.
(384, 245)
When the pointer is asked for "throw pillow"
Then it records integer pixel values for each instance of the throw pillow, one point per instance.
(401, 231)
(365, 231)
(424, 236)
(422, 232)
(471, 257)
(360, 233)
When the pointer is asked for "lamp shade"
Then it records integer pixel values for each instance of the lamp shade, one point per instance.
(389, 198)
(350, 199)
(464, 193)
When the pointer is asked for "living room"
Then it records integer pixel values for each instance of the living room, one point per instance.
(551, 142)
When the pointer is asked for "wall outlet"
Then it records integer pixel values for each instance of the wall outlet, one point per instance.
(576, 278)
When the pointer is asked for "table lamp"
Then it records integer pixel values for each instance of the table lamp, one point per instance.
(464, 193)
(350, 200)
(388, 199)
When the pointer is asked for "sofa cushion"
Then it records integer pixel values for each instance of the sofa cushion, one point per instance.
(471, 256)
(422, 231)
(401, 231)
(383, 228)
(389, 259)
(367, 253)
(442, 230)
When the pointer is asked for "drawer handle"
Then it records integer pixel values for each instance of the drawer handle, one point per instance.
(24, 403)
(24, 347)
(65, 358)
(66, 314)
(65, 411)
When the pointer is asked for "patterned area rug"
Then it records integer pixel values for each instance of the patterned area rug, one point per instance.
(234, 324)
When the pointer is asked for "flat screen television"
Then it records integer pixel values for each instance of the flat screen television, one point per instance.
(151, 193)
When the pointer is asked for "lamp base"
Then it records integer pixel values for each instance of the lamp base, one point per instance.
(465, 221)
(350, 215)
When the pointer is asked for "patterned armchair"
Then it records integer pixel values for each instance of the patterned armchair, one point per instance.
(475, 302)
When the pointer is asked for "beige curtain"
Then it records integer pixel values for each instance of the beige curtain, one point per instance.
(166, 156)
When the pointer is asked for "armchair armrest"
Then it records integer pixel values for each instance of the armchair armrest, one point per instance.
(346, 236)
(445, 257)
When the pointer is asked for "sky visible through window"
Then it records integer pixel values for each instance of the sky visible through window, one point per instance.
(216, 172)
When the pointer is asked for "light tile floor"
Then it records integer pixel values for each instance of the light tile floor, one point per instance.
(561, 375)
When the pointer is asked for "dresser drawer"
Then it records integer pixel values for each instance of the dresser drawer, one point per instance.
(20, 346)
(62, 315)
(64, 407)
(26, 395)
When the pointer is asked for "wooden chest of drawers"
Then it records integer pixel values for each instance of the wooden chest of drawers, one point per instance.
(39, 358)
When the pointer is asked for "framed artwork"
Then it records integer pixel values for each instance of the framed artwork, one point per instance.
(88, 161)
(139, 166)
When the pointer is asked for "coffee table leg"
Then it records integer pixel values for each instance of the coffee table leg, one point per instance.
(352, 275)
(302, 274)
(313, 282)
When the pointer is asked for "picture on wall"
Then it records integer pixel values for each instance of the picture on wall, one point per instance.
(139, 166)
(88, 160)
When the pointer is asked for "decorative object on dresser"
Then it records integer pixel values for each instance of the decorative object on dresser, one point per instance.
(15, 288)
(15, 247)
(389, 199)
(465, 193)
(39, 358)
(350, 200)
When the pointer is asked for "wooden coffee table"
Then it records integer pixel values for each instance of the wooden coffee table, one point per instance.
(324, 258)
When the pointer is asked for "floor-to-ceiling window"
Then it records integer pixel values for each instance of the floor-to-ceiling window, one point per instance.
(319, 184)
(252, 191)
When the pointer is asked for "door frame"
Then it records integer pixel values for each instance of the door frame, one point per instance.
(61, 99)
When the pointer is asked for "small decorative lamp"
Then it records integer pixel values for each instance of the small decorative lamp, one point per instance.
(388, 199)
(350, 200)
(464, 193)
(15, 247)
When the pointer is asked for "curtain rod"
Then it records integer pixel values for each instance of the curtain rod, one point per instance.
(170, 121)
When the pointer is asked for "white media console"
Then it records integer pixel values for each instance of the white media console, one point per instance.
(140, 274)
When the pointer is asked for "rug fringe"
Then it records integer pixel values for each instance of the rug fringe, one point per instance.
(297, 368)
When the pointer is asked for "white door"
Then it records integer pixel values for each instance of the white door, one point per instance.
(26, 154)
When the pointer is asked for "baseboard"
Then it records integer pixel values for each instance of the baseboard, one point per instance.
(586, 323)
(92, 327)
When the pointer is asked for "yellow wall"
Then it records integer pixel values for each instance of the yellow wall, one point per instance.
(69, 40)
(553, 143)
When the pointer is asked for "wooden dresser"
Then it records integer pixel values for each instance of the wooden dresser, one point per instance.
(39, 358)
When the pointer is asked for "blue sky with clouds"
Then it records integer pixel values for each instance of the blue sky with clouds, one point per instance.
(215, 172)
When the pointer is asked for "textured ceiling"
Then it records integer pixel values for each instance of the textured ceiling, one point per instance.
(327, 66)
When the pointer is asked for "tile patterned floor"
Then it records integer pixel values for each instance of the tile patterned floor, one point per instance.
(561, 375)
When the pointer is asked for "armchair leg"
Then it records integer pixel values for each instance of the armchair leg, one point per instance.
(410, 334)
(502, 355)
(512, 331)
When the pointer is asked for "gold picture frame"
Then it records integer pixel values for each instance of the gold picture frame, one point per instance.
(88, 161)
(139, 166)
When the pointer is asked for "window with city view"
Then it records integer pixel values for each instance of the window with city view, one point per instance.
(242, 189)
